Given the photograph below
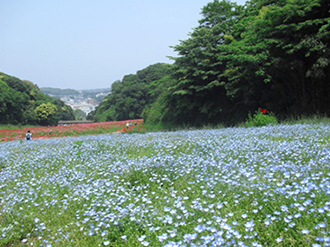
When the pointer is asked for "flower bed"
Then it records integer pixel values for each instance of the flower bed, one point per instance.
(267, 186)
(71, 130)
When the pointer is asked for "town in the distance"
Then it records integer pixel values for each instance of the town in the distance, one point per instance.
(85, 100)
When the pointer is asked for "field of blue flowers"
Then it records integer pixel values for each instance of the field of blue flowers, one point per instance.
(267, 186)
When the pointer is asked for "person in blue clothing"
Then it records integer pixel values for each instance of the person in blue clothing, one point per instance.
(28, 136)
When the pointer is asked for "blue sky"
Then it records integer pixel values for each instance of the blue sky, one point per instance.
(83, 44)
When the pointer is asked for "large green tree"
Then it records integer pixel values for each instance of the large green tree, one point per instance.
(46, 113)
(20, 99)
(11, 104)
(279, 58)
(269, 54)
(199, 95)
(131, 96)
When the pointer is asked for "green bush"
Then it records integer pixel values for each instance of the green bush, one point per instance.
(260, 119)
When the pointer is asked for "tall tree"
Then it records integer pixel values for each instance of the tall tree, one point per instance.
(281, 57)
(131, 96)
(19, 100)
(199, 96)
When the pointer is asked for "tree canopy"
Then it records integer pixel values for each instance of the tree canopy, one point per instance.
(270, 54)
(21, 102)
(266, 54)
(131, 96)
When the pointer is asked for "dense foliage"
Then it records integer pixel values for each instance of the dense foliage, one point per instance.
(58, 91)
(269, 54)
(21, 102)
(131, 96)
(79, 114)
(272, 54)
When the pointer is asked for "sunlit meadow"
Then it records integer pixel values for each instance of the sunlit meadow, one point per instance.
(267, 186)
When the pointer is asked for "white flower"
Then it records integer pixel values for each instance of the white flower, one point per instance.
(106, 243)
(279, 240)
(249, 224)
(142, 238)
(145, 243)
(244, 216)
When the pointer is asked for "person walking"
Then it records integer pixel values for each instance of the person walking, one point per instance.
(28, 136)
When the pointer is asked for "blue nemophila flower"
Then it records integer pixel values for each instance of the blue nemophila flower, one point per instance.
(104, 233)
(267, 222)
(172, 234)
(167, 209)
(235, 223)
(168, 219)
(297, 215)
(231, 214)
(261, 164)
(249, 225)
(307, 202)
(326, 239)
(256, 244)
(320, 225)
(189, 237)
(162, 237)
(292, 224)
(145, 243)
(279, 240)
(106, 243)
(287, 220)
(319, 239)
(305, 231)
(141, 238)
(200, 228)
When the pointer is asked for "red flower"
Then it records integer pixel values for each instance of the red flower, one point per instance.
(263, 110)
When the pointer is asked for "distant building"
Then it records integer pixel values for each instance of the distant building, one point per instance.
(85, 100)
(91, 101)
(87, 108)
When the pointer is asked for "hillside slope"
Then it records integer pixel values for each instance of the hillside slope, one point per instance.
(21, 102)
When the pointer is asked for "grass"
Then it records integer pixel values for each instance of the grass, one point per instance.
(265, 186)
(11, 126)
(314, 119)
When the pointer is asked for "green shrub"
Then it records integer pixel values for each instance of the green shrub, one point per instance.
(260, 119)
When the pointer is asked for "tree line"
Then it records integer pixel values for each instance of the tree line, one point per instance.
(21, 102)
(130, 97)
(266, 54)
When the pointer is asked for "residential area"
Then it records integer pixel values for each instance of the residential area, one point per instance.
(85, 100)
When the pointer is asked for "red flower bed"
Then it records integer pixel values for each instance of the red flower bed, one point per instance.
(72, 130)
